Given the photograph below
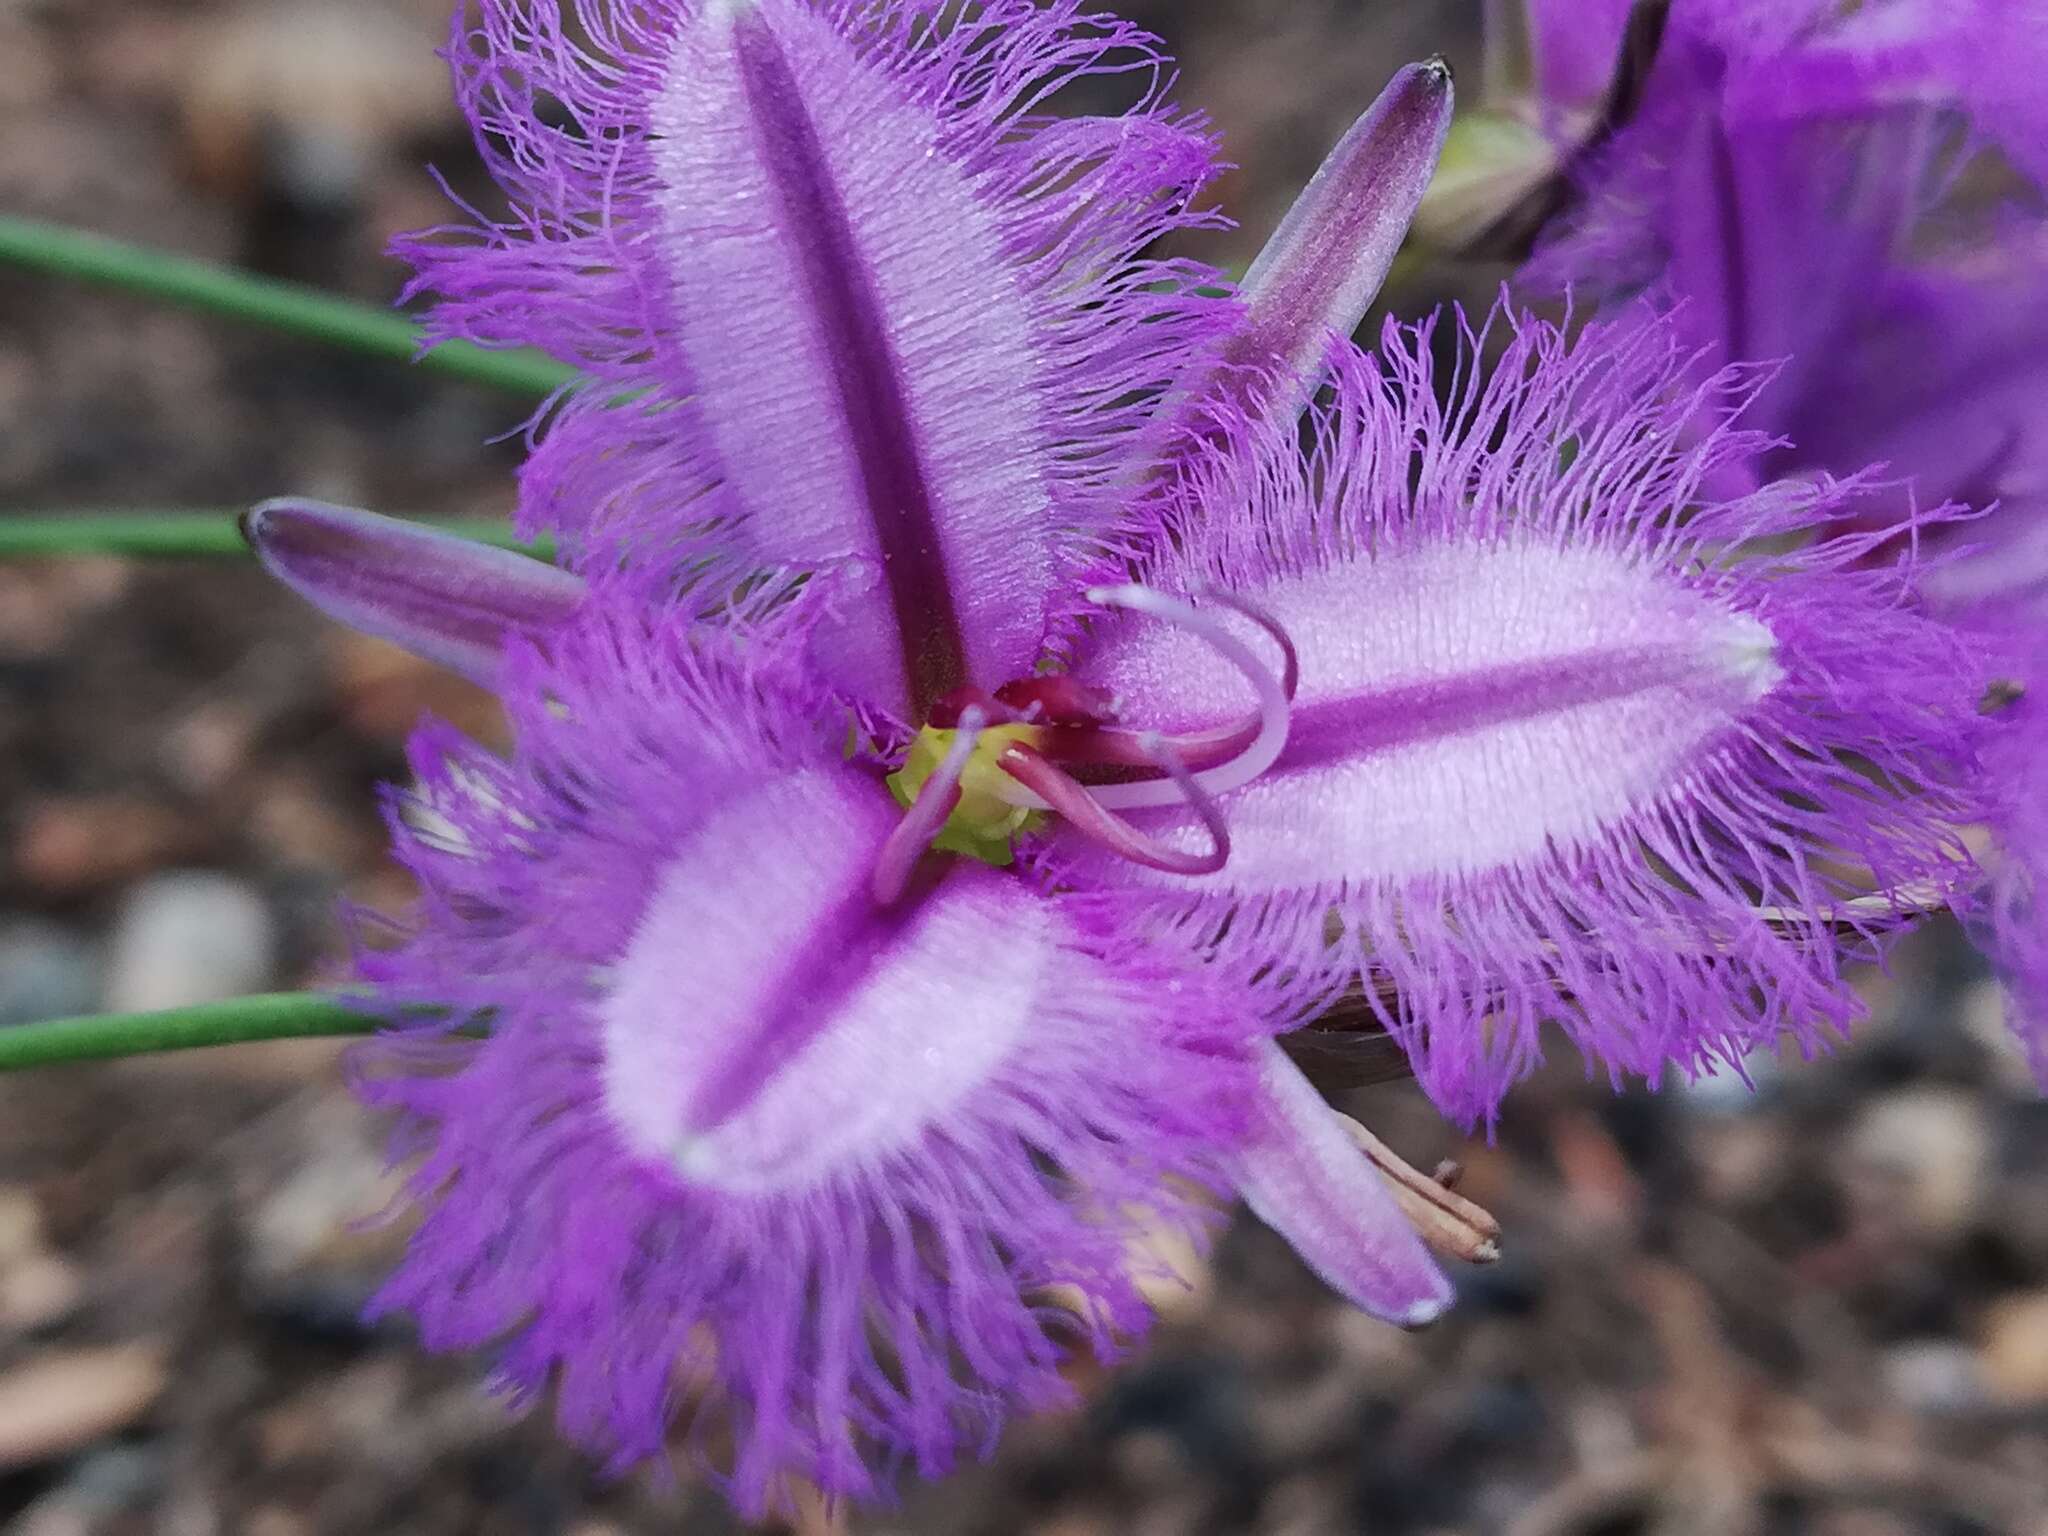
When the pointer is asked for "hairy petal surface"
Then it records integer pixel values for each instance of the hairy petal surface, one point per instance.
(740, 1149)
(1568, 746)
(852, 299)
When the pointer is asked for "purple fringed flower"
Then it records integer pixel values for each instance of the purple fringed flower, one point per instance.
(1482, 712)
(966, 785)
(1568, 745)
(739, 1140)
(768, 1090)
(1489, 711)
(1858, 192)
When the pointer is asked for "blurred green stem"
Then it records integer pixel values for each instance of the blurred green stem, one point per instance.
(183, 532)
(288, 307)
(275, 1016)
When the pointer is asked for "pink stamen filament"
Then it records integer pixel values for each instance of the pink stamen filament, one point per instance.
(926, 817)
(1261, 746)
(1084, 811)
(1123, 747)
(1290, 679)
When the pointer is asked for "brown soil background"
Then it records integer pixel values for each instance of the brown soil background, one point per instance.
(1821, 1308)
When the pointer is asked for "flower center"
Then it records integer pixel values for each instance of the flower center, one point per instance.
(983, 821)
(987, 763)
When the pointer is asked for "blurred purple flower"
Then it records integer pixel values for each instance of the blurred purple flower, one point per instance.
(1572, 46)
(1794, 177)
(1857, 193)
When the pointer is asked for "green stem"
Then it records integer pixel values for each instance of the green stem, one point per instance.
(288, 307)
(275, 1016)
(184, 533)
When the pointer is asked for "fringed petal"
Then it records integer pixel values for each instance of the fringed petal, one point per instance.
(1569, 745)
(1306, 1178)
(448, 599)
(1947, 370)
(740, 1148)
(850, 297)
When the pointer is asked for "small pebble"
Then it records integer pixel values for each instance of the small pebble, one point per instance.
(2015, 1352)
(1934, 1376)
(1727, 1091)
(72, 845)
(1924, 1155)
(46, 972)
(21, 1224)
(1075, 1523)
(308, 97)
(271, 1520)
(315, 1221)
(117, 1476)
(29, 74)
(189, 937)
(56, 1403)
(38, 1293)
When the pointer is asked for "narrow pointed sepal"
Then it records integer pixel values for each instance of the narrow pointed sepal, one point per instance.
(1324, 266)
(1305, 1177)
(445, 598)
